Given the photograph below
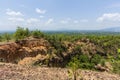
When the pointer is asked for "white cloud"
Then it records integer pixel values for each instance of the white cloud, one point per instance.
(16, 19)
(50, 21)
(13, 13)
(109, 17)
(40, 11)
(31, 20)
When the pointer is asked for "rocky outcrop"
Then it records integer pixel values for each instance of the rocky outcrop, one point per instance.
(29, 61)
(106, 67)
(16, 51)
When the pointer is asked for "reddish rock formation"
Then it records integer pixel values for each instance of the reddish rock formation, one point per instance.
(13, 52)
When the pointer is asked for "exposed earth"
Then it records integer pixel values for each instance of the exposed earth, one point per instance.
(10, 71)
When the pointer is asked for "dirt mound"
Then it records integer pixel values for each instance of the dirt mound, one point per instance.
(18, 72)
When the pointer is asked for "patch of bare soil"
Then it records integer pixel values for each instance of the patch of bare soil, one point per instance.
(17, 72)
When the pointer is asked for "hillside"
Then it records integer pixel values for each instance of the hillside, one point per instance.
(54, 52)
(36, 51)
(16, 72)
(62, 51)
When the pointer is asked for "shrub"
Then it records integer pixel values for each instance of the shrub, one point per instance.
(116, 67)
(83, 58)
(86, 65)
(81, 61)
(1, 38)
(21, 33)
(77, 49)
(96, 58)
(74, 65)
(6, 36)
(37, 34)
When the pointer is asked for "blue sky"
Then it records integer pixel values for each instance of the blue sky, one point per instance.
(59, 14)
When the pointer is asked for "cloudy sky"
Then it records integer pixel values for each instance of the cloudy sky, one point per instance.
(59, 14)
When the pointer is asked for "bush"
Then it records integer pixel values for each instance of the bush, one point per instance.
(74, 65)
(1, 38)
(86, 65)
(83, 58)
(96, 59)
(37, 34)
(6, 36)
(116, 67)
(81, 61)
(77, 49)
(21, 33)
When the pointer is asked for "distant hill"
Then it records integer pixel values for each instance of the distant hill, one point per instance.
(112, 29)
